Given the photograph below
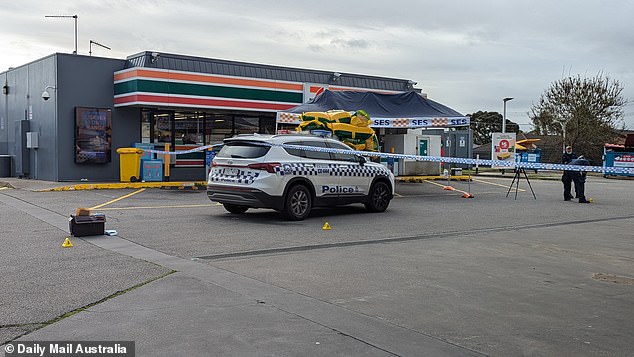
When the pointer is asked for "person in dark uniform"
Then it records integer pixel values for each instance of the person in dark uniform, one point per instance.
(566, 158)
(579, 178)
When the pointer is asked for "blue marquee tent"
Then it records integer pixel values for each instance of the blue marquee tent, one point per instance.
(399, 110)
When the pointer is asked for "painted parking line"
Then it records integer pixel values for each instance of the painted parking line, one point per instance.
(117, 199)
(156, 207)
(453, 188)
(443, 194)
(496, 184)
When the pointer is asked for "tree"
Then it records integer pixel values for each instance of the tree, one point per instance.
(485, 123)
(586, 112)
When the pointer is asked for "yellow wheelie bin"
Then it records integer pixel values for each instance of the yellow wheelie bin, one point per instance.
(129, 164)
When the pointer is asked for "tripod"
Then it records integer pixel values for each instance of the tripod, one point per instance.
(516, 181)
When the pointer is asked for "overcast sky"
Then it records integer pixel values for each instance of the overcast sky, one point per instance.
(467, 55)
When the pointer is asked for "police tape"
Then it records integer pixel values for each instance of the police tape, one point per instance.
(478, 162)
(200, 148)
(452, 160)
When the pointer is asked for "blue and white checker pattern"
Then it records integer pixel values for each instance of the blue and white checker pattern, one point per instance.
(305, 169)
(356, 170)
(243, 176)
(309, 169)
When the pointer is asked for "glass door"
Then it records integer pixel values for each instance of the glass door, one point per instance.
(161, 123)
(189, 129)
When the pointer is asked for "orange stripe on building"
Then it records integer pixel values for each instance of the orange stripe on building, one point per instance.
(125, 75)
(193, 77)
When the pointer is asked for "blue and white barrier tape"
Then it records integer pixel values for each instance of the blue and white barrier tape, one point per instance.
(465, 161)
(200, 148)
(452, 160)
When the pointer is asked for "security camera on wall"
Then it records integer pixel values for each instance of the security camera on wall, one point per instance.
(46, 95)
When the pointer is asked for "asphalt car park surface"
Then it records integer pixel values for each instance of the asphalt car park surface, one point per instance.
(436, 273)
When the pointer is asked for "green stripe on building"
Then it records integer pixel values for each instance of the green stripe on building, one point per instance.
(142, 85)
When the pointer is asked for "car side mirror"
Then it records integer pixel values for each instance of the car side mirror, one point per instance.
(361, 160)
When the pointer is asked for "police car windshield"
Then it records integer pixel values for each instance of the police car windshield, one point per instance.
(243, 150)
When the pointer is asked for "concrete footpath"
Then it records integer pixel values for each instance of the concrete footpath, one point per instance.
(109, 288)
(47, 186)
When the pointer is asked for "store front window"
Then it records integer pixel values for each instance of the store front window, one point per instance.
(246, 125)
(189, 128)
(184, 130)
(162, 124)
(219, 127)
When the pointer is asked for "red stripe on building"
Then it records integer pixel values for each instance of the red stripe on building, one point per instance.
(199, 102)
(190, 162)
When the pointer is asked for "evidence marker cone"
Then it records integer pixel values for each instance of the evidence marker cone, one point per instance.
(67, 243)
(326, 227)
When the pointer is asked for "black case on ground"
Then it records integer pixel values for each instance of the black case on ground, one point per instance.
(81, 226)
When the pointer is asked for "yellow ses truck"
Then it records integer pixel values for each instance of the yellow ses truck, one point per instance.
(351, 128)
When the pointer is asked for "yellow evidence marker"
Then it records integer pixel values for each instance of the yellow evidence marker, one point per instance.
(67, 243)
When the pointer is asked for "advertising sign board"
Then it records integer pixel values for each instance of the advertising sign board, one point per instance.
(503, 147)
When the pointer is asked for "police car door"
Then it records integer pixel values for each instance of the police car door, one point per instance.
(353, 178)
(322, 171)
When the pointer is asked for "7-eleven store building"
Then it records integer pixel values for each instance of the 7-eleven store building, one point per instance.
(155, 98)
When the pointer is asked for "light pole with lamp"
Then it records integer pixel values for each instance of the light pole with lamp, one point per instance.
(504, 116)
(98, 44)
(69, 17)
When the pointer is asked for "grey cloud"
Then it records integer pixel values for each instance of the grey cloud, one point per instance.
(467, 55)
(353, 43)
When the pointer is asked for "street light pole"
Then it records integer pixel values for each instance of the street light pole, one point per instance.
(75, 17)
(563, 131)
(69, 17)
(98, 44)
(504, 115)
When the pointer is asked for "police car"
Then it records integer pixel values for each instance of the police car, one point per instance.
(262, 171)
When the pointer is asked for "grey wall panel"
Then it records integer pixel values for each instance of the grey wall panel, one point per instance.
(84, 81)
(17, 102)
(126, 130)
(21, 160)
(22, 103)
(4, 108)
(41, 74)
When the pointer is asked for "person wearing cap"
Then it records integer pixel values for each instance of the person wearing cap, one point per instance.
(579, 178)
(566, 178)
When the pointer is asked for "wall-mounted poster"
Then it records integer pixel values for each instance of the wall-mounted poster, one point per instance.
(93, 142)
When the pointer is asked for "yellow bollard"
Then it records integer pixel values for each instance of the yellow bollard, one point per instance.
(166, 163)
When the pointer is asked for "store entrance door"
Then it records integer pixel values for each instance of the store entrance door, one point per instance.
(189, 130)
(160, 128)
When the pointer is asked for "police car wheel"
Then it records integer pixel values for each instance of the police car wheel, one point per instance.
(235, 208)
(298, 203)
(379, 198)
